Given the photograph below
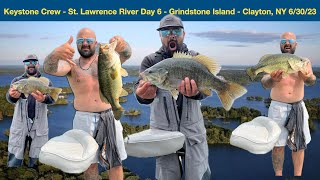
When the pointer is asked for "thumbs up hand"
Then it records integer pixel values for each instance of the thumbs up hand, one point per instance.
(66, 51)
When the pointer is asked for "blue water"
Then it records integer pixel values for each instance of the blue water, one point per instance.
(226, 162)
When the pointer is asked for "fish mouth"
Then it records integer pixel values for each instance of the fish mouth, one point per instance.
(14, 86)
(147, 77)
(172, 45)
(306, 62)
(143, 76)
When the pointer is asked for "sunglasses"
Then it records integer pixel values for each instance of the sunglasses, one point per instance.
(81, 40)
(27, 63)
(175, 32)
(284, 41)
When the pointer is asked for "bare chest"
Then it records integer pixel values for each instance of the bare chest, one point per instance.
(292, 80)
(84, 80)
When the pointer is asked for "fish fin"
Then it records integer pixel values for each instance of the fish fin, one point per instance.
(174, 93)
(231, 93)
(211, 64)
(44, 80)
(114, 74)
(124, 72)
(250, 72)
(181, 55)
(206, 92)
(117, 113)
(54, 93)
(124, 93)
(264, 58)
(103, 99)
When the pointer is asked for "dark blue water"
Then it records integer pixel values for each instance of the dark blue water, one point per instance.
(226, 162)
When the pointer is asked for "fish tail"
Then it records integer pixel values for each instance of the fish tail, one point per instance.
(230, 93)
(250, 72)
(118, 113)
(54, 93)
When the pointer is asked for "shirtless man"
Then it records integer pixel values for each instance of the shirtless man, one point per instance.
(82, 75)
(284, 92)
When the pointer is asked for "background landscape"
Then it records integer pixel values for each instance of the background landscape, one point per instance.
(223, 157)
(234, 45)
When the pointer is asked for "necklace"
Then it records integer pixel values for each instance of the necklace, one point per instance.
(89, 66)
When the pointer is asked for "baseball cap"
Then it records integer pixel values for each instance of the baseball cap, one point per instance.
(31, 57)
(170, 21)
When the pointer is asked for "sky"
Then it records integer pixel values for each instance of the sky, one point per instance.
(227, 42)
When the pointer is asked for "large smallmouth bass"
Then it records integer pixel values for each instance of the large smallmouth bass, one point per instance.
(288, 63)
(109, 75)
(169, 73)
(27, 86)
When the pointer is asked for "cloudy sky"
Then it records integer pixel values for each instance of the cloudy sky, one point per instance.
(230, 43)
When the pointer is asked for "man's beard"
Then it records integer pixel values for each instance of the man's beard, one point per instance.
(32, 72)
(291, 50)
(86, 54)
(172, 46)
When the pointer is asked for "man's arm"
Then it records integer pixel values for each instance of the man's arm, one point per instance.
(59, 62)
(13, 95)
(125, 53)
(48, 99)
(144, 91)
(311, 80)
(269, 80)
(52, 65)
(11, 99)
(308, 77)
(123, 48)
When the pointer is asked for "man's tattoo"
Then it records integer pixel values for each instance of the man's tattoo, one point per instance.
(50, 64)
(277, 160)
(126, 52)
(310, 80)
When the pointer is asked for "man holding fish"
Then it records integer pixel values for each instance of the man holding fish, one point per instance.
(174, 80)
(287, 107)
(31, 93)
(92, 110)
(175, 105)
